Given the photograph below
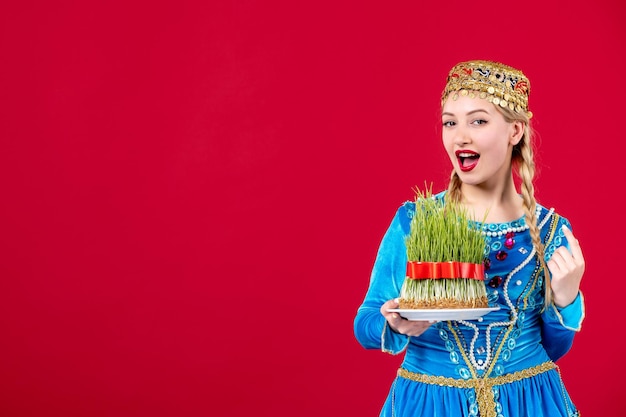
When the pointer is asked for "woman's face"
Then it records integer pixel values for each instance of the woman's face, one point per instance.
(478, 140)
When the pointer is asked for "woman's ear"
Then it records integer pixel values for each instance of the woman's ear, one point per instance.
(518, 132)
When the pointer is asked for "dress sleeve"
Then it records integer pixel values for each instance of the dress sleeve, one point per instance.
(388, 274)
(560, 324)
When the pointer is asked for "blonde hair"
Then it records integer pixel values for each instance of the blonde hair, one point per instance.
(523, 164)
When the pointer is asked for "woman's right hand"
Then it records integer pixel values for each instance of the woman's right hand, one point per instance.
(401, 325)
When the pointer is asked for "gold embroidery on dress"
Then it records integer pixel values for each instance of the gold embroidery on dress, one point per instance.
(482, 386)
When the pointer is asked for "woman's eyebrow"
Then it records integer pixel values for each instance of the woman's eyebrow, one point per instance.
(468, 113)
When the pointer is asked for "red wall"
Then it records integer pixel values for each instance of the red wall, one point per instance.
(193, 192)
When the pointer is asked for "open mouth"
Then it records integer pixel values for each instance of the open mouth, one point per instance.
(467, 160)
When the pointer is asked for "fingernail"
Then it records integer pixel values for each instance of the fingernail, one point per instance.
(564, 227)
(397, 300)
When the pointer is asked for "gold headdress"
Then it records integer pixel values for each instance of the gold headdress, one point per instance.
(498, 83)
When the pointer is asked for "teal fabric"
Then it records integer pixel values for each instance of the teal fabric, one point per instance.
(538, 334)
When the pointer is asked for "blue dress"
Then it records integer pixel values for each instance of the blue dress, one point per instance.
(500, 365)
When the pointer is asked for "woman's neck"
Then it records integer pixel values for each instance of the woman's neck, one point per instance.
(491, 205)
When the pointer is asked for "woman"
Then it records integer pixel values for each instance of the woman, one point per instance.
(501, 364)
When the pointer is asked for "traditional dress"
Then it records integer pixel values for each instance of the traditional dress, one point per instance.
(500, 365)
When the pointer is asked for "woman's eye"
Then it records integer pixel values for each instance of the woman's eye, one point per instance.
(448, 123)
(479, 122)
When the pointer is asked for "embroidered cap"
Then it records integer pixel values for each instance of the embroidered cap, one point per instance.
(498, 83)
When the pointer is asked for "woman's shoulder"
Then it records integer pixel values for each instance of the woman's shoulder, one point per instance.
(408, 207)
(551, 228)
(547, 215)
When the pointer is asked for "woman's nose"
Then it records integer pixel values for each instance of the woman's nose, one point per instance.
(462, 136)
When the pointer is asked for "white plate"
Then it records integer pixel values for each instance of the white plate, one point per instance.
(444, 314)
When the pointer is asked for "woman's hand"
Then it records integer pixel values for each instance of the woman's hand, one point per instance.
(567, 268)
(400, 325)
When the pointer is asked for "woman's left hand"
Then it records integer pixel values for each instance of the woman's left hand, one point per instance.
(566, 268)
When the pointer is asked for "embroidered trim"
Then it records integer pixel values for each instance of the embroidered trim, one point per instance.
(559, 316)
(482, 386)
(550, 249)
(550, 235)
(383, 341)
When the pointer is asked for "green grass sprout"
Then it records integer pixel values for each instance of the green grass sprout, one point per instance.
(443, 232)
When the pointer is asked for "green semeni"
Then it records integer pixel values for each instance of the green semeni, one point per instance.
(445, 252)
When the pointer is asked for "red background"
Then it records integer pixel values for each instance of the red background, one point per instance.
(193, 193)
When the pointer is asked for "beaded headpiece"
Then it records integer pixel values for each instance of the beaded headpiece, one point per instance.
(498, 83)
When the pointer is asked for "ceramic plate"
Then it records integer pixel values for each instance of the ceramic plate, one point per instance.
(444, 313)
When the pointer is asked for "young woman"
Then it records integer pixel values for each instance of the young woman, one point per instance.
(501, 364)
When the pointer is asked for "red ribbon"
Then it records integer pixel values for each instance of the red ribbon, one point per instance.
(438, 270)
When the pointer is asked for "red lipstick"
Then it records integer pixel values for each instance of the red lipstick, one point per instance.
(467, 160)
